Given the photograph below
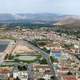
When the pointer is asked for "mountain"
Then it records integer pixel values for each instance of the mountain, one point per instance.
(4, 17)
(41, 18)
(69, 20)
(70, 23)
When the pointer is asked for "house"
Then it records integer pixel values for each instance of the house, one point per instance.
(69, 78)
(42, 71)
(22, 75)
(5, 72)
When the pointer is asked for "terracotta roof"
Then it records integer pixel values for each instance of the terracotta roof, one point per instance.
(69, 78)
(40, 66)
(5, 70)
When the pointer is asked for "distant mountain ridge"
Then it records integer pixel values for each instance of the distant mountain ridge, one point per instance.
(68, 20)
(6, 17)
(41, 18)
(36, 18)
(69, 23)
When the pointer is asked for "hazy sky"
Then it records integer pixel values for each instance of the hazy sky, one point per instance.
(40, 6)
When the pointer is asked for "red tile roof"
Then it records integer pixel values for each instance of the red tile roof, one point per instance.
(5, 70)
(69, 78)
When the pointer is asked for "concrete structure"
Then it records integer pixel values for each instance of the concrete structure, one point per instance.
(22, 75)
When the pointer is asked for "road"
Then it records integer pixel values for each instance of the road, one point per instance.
(30, 72)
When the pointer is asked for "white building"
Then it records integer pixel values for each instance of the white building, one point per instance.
(23, 75)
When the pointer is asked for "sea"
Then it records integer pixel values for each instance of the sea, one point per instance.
(3, 45)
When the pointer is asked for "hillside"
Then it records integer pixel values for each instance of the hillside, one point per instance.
(69, 22)
(40, 18)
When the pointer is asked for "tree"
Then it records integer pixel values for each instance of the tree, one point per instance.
(53, 78)
(24, 67)
(69, 73)
(19, 67)
(43, 61)
(53, 59)
(17, 78)
(41, 79)
(6, 56)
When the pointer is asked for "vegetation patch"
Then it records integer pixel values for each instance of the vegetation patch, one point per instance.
(25, 58)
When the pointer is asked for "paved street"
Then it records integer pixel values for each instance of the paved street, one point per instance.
(30, 72)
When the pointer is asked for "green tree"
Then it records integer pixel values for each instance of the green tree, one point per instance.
(41, 79)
